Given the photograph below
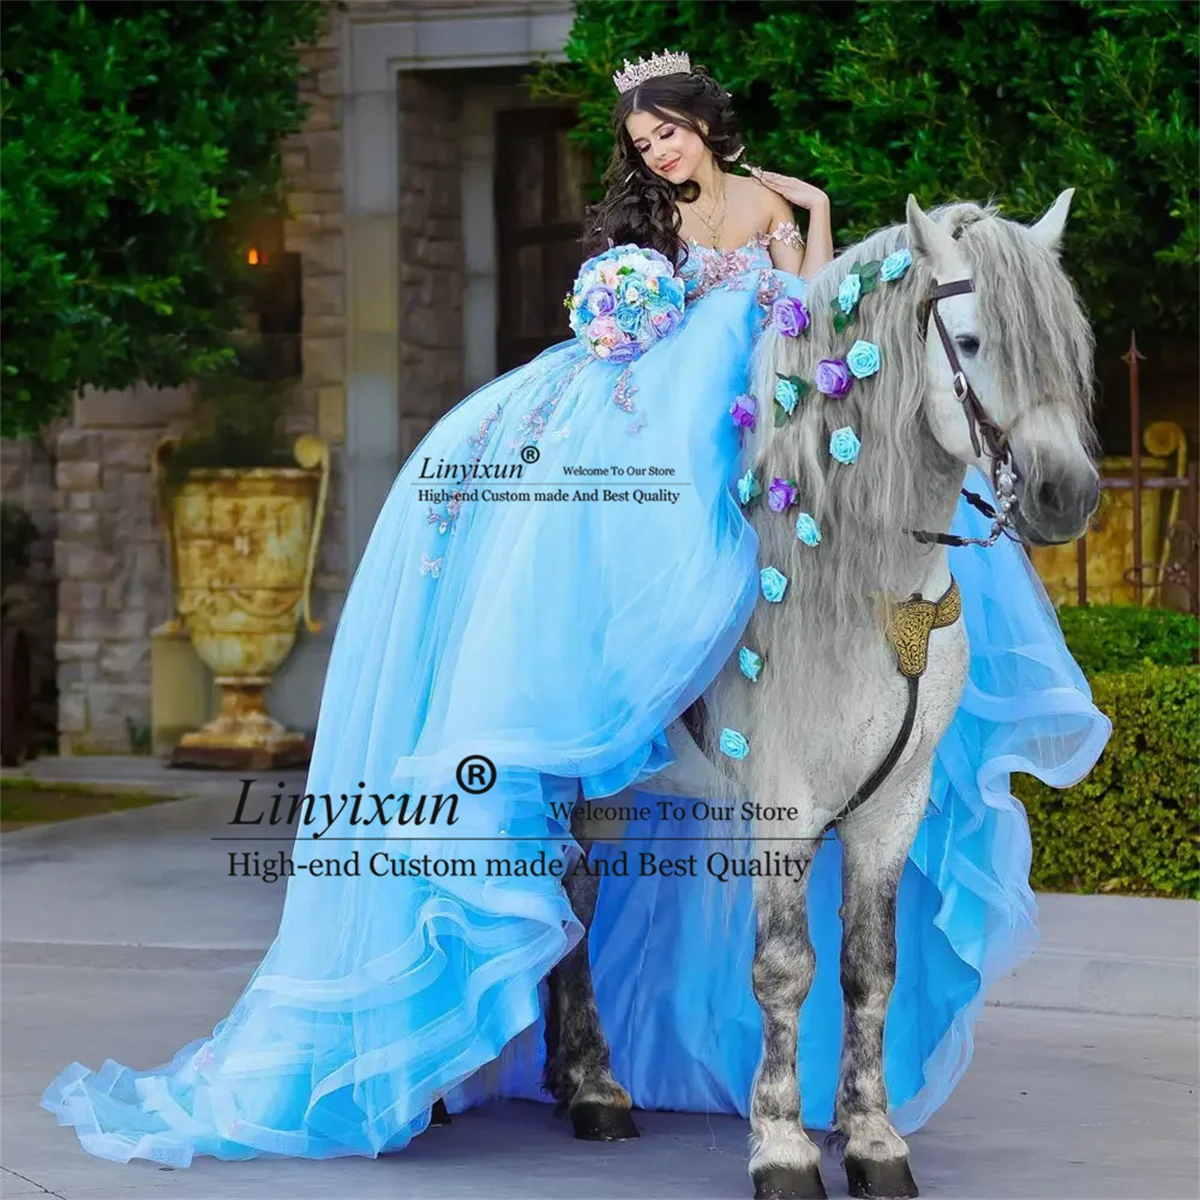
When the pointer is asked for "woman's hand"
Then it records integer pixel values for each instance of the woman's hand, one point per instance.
(794, 191)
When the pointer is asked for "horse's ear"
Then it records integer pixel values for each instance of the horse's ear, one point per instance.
(1049, 228)
(926, 238)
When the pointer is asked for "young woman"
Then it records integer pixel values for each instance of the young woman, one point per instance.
(558, 637)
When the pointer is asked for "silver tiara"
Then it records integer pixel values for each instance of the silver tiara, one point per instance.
(666, 63)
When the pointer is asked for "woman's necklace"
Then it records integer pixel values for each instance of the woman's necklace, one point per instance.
(714, 230)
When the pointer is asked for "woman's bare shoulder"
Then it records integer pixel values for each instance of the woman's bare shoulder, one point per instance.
(768, 207)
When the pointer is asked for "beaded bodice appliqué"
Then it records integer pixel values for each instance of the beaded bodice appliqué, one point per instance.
(706, 268)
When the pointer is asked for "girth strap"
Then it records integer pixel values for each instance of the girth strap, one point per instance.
(908, 631)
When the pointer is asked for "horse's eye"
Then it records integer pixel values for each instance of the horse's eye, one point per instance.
(968, 345)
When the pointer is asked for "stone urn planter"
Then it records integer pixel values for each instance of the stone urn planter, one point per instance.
(243, 545)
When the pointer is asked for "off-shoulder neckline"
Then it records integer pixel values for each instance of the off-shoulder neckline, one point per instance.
(755, 239)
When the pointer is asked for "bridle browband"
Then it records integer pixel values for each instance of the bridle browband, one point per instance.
(985, 433)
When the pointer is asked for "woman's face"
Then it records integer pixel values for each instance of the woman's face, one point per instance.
(667, 147)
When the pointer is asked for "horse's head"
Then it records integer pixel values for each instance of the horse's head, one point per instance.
(1010, 367)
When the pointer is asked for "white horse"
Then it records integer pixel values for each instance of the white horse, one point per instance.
(867, 654)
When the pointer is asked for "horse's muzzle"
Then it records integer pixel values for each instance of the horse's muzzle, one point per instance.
(1055, 502)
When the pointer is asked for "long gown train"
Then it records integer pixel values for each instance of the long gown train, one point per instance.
(559, 638)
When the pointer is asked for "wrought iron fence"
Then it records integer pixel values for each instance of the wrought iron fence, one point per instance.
(1179, 567)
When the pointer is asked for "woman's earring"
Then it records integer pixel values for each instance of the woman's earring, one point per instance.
(735, 156)
(631, 175)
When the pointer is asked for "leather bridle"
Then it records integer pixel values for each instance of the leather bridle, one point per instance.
(985, 433)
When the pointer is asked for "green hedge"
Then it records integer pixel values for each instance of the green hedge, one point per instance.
(1120, 637)
(1131, 825)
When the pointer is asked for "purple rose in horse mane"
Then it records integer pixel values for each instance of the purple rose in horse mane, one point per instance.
(789, 317)
(781, 495)
(832, 377)
(743, 411)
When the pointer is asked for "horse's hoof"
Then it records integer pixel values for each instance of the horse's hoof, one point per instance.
(788, 1183)
(603, 1123)
(439, 1114)
(870, 1179)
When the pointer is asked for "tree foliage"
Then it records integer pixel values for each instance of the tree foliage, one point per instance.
(955, 100)
(137, 140)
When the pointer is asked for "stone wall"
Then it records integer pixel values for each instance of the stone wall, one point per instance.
(30, 602)
(111, 560)
(432, 272)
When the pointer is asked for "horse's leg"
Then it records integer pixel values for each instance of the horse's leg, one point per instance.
(578, 1073)
(876, 840)
(784, 1163)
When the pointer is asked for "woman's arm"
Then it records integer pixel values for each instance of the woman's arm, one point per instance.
(796, 257)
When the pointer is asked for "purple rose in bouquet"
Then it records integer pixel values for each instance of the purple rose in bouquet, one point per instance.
(600, 301)
(664, 318)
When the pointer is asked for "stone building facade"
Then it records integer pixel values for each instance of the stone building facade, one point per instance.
(391, 195)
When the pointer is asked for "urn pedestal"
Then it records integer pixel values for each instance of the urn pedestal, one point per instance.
(243, 546)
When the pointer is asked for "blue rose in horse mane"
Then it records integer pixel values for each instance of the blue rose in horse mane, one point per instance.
(786, 395)
(849, 293)
(863, 359)
(774, 584)
(807, 530)
(894, 266)
(844, 445)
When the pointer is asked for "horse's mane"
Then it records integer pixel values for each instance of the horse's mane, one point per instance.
(903, 479)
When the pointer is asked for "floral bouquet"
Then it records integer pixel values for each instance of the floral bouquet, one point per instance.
(624, 301)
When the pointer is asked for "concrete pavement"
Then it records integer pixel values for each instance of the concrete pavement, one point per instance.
(117, 944)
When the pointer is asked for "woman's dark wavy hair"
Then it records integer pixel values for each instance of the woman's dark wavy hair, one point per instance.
(639, 206)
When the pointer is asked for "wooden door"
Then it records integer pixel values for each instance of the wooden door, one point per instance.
(540, 189)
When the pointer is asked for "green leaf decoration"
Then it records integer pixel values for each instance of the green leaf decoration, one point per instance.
(869, 284)
(870, 270)
(802, 385)
(841, 321)
(781, 416)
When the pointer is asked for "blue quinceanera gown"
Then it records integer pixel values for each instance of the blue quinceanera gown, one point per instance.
(559, 639)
